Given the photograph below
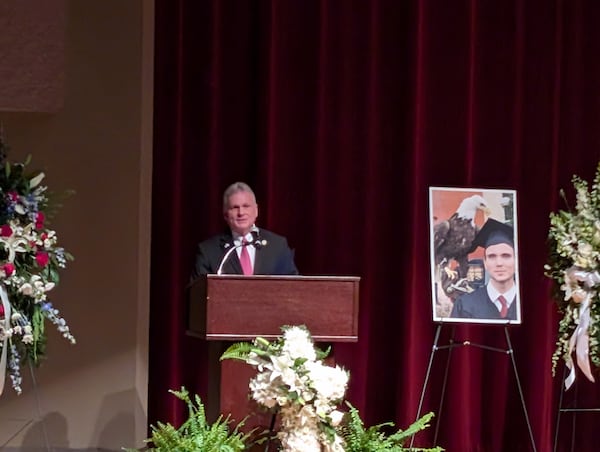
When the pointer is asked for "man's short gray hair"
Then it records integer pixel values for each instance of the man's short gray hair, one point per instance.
(233, 189)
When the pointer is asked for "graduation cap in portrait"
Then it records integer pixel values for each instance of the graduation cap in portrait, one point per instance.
(494, 232)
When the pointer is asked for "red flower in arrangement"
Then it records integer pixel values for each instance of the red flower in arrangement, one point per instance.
(13, 195)
(39, 220)
(41, 258)
(1, 311)
(6, 230)
(8, 268)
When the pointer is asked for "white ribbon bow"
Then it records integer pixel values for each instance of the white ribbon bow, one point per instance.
(6, 324)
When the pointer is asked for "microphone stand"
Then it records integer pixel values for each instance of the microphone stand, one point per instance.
(257, 242)
(226, 257)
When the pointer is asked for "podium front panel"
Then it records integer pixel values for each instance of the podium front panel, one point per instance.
(233, 307)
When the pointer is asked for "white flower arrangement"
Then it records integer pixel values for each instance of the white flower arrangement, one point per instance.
(574, 265)
(293, 379)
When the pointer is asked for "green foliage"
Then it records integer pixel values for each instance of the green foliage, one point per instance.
(262, 348)
(358, 438)
(196, 434)
(238, 351)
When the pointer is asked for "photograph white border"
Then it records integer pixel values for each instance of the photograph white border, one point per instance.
(501, 205)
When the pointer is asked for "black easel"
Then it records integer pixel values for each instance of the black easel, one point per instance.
(271, 431)
(450, 346)
(573, 410)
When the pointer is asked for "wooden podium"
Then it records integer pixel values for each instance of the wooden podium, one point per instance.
(234, 308)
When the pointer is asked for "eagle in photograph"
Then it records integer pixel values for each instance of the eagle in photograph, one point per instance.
(453, 237)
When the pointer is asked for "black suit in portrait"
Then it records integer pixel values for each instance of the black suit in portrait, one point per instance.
(477, 305)
(273, 258)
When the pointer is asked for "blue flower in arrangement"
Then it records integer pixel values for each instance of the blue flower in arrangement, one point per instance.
(30, 260)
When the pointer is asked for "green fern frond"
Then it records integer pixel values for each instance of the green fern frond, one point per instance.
(239, 351)
(414, 428)
(196, 434)
(358, 438)
(322, 354)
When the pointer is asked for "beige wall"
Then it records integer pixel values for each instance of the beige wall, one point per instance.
(93, 394)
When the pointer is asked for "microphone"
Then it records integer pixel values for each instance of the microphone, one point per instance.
(257, 242)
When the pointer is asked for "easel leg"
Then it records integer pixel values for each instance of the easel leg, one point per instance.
(574, 411)
(512, 357)
(39, 407)
(574, 426)
(14, 435)
(560, 402)
(444, 385)
(574, 422)
(433, 350)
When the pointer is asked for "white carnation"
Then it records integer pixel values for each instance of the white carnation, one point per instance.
(298, 344)
(329, 382)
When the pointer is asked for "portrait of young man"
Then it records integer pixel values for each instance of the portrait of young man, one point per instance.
(474, 258)
(496, 300)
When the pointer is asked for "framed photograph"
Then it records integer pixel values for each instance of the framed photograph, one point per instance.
(474, 255)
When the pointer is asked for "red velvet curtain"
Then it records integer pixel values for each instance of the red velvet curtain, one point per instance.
(341, 114)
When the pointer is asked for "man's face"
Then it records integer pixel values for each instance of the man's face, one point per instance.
(241, 212)
(499, 261)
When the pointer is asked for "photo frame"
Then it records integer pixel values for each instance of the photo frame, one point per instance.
(474, 255)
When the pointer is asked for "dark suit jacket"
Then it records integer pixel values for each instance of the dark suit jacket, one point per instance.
(274, 258)
(477, 305)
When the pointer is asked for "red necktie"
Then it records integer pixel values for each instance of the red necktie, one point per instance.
(504, 309)
(245, 259)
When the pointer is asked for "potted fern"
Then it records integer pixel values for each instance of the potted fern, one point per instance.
(358, 438)
(196, 434)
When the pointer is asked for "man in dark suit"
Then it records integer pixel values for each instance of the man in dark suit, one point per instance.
(498, 299)
(244, 248)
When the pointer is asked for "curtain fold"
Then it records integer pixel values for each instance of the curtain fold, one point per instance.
(341, 114)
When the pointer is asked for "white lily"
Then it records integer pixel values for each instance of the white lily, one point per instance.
(13, 245)
(34, 182)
